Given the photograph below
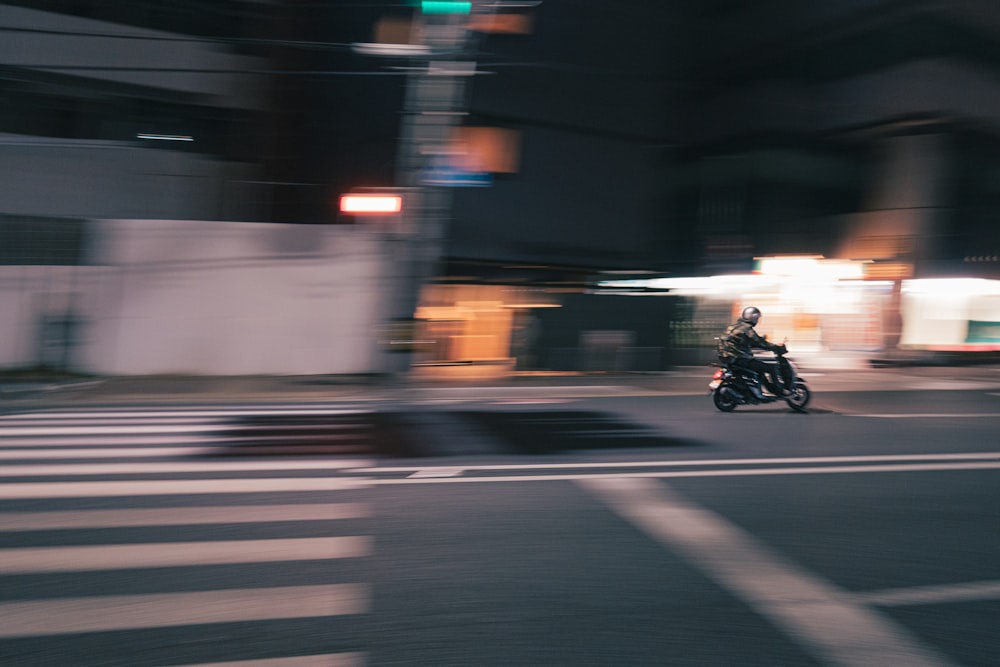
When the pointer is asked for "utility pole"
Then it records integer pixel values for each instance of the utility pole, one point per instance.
(435, 102)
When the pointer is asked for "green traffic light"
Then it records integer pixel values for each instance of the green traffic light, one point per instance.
(445, 7)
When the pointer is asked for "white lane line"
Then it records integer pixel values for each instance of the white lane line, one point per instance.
(821, 617)
(873, 458)
(154, 467)
(524, 392)
(324, 660)
(131, 612)
(13, 491)
(93, 558)
(937, 594)
(180, 516)
(437, 472)
(930, 415)
(666, 474)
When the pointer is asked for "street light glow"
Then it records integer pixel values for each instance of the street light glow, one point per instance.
(371, 203)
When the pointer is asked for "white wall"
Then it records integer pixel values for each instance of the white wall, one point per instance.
(208, 298)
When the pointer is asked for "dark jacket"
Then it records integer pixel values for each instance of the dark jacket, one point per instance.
(739, 341)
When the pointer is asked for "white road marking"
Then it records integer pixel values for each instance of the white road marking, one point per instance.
(33, 560)
(120, 439)
(531, 401)
(497, 392)
(153, 467)
(124, 451)
(324, 660)
(617, 433)
(130, 612)
(931, 415)
(158, 414)
(821, 617)
(937, 594)
(159, 428)
(180, 516)
(80, 429)
(9, 424)
(437, 472)
(666, 474)
(961, 456)
(13, 491)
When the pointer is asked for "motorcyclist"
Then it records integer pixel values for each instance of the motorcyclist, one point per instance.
(736, 347)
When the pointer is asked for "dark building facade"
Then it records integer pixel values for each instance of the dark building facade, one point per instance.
(613, 138)
(689, 138)
(681, 137)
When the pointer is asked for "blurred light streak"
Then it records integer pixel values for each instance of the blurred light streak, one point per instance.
(812, 268)
(302, 44)
(698, 285)
(373, 49)
(165, 137)
(953, 286)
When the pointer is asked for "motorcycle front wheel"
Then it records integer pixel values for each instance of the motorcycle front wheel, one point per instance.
(799, 398)
(725, 399)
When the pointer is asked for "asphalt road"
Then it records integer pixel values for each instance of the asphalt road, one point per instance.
(526, 528)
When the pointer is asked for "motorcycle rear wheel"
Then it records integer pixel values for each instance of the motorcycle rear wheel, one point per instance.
(725, 399)
(799, 398)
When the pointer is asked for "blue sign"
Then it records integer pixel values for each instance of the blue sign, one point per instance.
(444, 174)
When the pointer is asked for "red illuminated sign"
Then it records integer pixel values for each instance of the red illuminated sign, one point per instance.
(374, 204)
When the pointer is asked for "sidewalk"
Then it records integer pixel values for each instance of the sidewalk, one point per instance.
(40, 392)
(137, 389)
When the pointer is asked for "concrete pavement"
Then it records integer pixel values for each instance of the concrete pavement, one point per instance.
(682, 380)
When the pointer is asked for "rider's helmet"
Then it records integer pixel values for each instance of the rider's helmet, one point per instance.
(751, 315)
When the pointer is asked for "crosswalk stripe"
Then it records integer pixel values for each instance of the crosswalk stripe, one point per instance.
(325, 660)
(69, 452)
(88, 446)
(110, 439)
(34, 490)
(202, 413)
(35, 424)
(34, 560)
(180, 516)
(130, 612)
(152, 467)
(82, 429)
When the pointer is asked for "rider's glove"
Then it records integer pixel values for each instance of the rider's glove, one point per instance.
(781, 349)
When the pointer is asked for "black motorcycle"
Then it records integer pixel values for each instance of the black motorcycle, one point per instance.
(732, 386)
